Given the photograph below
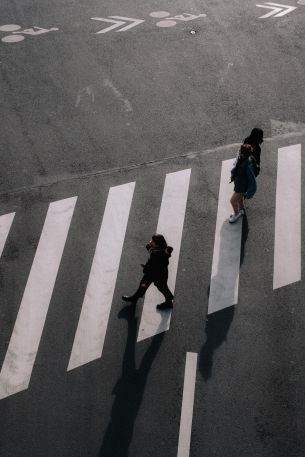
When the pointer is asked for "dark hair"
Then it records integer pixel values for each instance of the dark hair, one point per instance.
(246, 150)
(159, 240)
(257, 135)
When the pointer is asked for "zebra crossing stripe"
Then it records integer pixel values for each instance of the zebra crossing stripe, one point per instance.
(287, 242)
(5, 226)
(21, 354)
(91, 331)
(227, 244)
(170, 224)
(187, 405)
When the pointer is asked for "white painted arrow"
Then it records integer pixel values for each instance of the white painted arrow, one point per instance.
(117, 23)
(278, 9)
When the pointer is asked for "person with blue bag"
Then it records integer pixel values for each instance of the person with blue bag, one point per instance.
(243, 175)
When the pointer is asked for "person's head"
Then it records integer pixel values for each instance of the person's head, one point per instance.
(257, 135)
(158, 241)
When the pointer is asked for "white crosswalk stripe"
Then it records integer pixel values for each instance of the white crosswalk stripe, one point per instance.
(187, 405)
(5, 225)
(21, 354)
(226, 256)
(287, 241)
(170, 224)
(93, 321)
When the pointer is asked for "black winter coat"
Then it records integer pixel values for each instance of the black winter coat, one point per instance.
(256, 154)
(156, 268)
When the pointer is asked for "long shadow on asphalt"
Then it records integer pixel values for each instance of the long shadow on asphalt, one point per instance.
(218, 323)
(128, 391)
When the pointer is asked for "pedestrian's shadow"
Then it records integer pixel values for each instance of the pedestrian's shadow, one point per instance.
(244, 237)
(216, 329)
(128, 390)
(218, 323)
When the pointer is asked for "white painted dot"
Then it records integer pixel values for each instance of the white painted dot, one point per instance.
(301, 2)
(159, 14)
(12, 38)
(166, 23)
(9, 28)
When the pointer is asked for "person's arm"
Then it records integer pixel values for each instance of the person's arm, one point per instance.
(251, 188)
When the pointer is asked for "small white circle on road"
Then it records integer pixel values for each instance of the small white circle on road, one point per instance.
(13, 38)
(159, 14)
(166, 23)
(9, 28)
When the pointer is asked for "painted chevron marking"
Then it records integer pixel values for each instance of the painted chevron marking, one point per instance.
(278, 9)
(118, 22)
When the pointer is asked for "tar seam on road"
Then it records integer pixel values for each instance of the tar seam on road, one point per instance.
(150, 163)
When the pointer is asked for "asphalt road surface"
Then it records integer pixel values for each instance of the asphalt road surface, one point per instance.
(105, 138)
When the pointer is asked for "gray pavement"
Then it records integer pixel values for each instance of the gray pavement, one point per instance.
(76, 101)
(82, 112)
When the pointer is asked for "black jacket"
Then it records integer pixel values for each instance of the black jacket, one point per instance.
(156, 266)
(256, 153)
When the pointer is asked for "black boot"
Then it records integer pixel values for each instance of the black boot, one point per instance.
(168, 304)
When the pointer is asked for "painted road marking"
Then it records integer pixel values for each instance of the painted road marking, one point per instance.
(187, 405)
(118, 22)
(287, 242)
(172, 21)
(227, 244)
(93, 321)
(170, 224)
(21, 354)
(5, 226)
(278, 10)
(17, 33)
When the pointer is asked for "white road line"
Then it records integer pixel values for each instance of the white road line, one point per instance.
(20, 357)
(287, 242)
(170, 224)
(227, 244)
(93, 321)
(187, 405)
(5, 226)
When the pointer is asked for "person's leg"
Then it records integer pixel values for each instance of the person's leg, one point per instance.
(143, 286)
(240, 202)
(163, 288)
(237, 202)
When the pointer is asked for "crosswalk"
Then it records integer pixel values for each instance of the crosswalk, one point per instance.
(93, 323)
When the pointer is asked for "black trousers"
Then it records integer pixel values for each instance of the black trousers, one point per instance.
(161, 285)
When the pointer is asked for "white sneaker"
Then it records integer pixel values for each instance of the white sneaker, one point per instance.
(234, 217)
(242, 212)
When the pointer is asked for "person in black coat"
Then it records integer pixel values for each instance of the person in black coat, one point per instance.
(243, 175)
(255, 139)
(155, 271)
